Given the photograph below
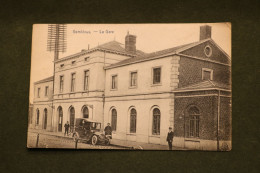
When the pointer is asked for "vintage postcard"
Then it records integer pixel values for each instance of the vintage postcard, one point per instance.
(131, 86)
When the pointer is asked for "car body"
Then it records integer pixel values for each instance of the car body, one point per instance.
(87, 130)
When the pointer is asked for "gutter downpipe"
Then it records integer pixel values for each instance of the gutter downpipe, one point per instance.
(218, 120)
(103, 95)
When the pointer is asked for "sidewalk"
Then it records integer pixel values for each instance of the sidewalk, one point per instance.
(141, 145)
(115, 142)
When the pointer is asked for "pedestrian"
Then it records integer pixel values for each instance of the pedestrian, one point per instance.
(108, 130)
(170, 138)
(67, 126)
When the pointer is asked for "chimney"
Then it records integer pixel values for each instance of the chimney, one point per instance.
(130, 41)
(205, 32)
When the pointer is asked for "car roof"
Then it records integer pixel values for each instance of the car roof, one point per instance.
(87, 120)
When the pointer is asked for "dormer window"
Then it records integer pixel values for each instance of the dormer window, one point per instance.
(87, 58)
(73, 62)
(62, 65)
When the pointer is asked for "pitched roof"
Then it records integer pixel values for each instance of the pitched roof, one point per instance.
(119, 47)
(207, 84)
(145, 57)
(44, 80)
(113, 46)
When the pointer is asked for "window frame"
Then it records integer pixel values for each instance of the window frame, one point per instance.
(38, 92)
(114, 121)
(130, 79)
(194, 123)
(46, 91)
(73, 62)
(85, 107)
(116, 82)
(74, 84)
(84, 80)
(157, 131)
(37, 117)
(207, 70)
(133, 129)
(86, 59)
(61, 88)
(152, 82)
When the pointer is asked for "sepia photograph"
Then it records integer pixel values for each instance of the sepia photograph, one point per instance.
(131, 87)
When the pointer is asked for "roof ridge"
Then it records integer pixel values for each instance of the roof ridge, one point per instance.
(44, 79)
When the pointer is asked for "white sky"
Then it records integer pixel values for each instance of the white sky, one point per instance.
(150, 38)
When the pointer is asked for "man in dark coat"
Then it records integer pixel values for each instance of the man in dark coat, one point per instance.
(67, 126)
(170, 138)
(108, 130)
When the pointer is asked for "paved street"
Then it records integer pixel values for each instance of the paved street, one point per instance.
(49, 141)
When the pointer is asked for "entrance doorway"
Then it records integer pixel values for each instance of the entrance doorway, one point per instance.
(60, 119)
(45, 119)
(72, 118)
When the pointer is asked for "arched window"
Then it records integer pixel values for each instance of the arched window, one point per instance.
(60, 119)
(133, 121)
(85, 112)
(156, 121)
(37, 116)
(114, 119)
(72, 117)
(45, 119)
(194, 114)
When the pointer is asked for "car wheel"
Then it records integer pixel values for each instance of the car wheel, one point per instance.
(94, 140)
(75, 137)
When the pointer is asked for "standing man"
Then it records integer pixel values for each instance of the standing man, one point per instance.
(67, 126)
(170, 138)
(108, 130)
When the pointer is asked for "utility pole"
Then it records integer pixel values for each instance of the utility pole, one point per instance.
(56, 43)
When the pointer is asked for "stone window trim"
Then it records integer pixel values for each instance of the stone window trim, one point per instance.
(73, 88)
(83, 81)
(156, 121)
(152, 76)
(207, 70)
(114, 119)
(194, 115)
(208, 51)
(37, 117)
(133, 120)
(116, 82)
(85, 112)
(130, 79)
(38, 92)
(73, 62)
(86, 59)
(46, 91)
(61, 83)
(61, 65)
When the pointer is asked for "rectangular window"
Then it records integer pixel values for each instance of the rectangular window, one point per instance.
(207, 74)
(38, 92)
(61, 83)
(133, 79)
(114, 82)
(73, 79)
(87, 59)
(86, 80)
(46, 91)
(157, 75)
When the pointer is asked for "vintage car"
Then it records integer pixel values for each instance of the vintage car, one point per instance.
(86, 130)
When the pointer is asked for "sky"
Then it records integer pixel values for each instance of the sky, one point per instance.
(150, 38)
